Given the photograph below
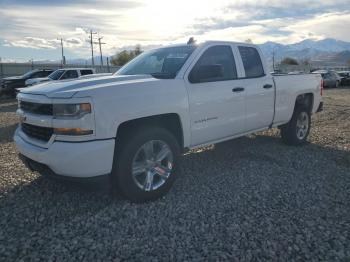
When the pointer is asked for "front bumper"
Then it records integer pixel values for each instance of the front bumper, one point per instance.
(71, 159)
(102, 181)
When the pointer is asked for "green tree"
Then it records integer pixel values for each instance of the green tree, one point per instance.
(125, 56)
(289, 61)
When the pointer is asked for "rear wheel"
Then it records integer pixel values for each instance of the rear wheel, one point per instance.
(144, 167)
(296, 131)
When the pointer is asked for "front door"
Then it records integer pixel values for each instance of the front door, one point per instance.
(216, 96)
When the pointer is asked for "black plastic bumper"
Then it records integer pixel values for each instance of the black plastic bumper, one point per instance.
(102, 181)
(320, 107)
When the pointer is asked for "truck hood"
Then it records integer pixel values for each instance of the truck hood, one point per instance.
(68, 88)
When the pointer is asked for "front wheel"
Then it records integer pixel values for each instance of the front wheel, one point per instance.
(145, 163)
(296, 131)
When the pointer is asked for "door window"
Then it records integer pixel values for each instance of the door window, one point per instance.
(251, 61)
(70, 74)
(216, 64)
(43, 74)
(86, 72)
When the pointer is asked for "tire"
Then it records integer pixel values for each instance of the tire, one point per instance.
(296, 132)
(150, 180)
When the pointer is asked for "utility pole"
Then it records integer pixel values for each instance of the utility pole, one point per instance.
(273, 59)
(108, 64)
(63, 57)
(92, 47)
(100, 45)
(31, 63)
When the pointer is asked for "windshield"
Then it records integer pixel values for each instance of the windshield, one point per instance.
(28, 74)
(56, 74)
(160, 63)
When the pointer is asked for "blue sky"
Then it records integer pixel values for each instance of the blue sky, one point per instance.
(29, 29)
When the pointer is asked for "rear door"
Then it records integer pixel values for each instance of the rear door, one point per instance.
(259, 89)
(216, 97)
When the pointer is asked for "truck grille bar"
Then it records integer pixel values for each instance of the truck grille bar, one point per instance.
(37, 132)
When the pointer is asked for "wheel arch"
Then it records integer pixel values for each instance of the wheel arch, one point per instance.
(170, 121)
(305, 99)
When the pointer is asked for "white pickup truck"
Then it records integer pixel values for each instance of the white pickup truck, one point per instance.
(131, 127)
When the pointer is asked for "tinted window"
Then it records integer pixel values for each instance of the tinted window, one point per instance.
(86, 72)
(70, 74)
(251, 61)
(215, 64)
(42, 74)
(326, 76)
(35, 75)
(56, 74)
(29, 74)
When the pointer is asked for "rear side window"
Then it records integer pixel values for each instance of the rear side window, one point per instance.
(216, 64)
(251, 61)
(86, 72)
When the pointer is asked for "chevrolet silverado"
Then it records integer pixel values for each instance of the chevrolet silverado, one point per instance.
(131, 127)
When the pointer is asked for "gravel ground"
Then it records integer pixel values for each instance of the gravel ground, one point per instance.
(249, 199)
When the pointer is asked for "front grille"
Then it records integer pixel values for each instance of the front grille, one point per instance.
(36, 108)
(38, 132)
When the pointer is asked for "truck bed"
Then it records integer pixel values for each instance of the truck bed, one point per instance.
(288, 87)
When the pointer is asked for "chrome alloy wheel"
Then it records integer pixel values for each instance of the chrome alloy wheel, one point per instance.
(302, 125)
(152, 165)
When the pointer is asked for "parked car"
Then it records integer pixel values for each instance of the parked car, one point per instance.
(130, 128)
(345, 78)
(61, 74)
(9, 84)
(330, 78)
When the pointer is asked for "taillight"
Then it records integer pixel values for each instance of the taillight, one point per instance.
(322, 85)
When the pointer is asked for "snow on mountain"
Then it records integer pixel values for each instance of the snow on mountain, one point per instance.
(322, 51)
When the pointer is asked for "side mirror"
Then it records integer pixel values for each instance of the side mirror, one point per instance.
(206, 73)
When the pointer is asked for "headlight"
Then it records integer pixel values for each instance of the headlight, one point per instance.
(71, 110)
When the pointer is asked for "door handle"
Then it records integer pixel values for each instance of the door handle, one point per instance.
(238, 89)
(267, 86)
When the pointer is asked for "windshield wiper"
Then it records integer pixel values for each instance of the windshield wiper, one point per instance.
(161, 75)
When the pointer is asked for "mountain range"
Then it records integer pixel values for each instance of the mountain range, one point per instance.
(326, 52)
